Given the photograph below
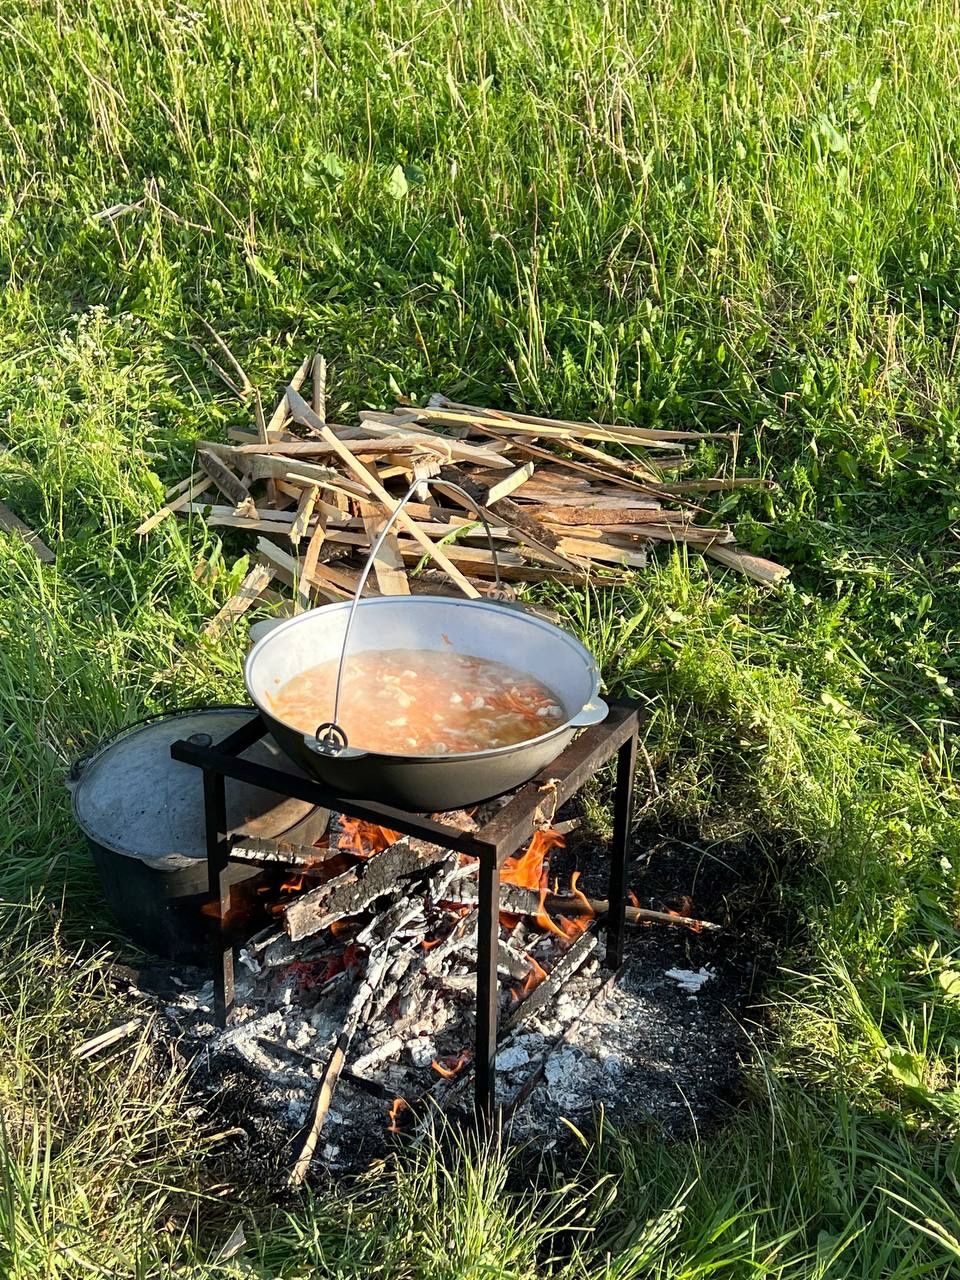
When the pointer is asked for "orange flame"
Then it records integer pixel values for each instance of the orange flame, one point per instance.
(533, 979)
(527, 870)
(633, 898)
(451, 1065)
(579, 894)
(365, 838)
(399, 1104)
(429, 943)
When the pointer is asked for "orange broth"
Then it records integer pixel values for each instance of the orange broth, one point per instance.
(416, 702)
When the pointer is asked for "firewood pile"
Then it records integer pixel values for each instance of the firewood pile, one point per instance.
(314, 496)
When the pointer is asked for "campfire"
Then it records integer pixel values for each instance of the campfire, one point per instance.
(417, 968)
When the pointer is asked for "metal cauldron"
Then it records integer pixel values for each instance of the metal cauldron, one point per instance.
(479, 628)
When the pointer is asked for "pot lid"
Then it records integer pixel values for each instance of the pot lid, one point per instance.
(134, 799)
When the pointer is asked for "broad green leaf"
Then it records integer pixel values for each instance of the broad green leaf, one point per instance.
(332, 166)
(396, 184)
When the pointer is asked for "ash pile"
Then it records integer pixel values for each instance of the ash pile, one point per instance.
(354, 1016)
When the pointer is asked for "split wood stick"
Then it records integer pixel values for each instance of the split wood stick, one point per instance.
(377, 445)
(302, 412)
(280, 415)
(320, 1107)
(595, 550)
(264, 437)
(301, 521)
(169, 508)
(583, 468)
(567, 905)
(756, 567)
(230, 485)
(626, 536)
(13, 523)
(717, 485)
(509, 484)
(308, 567)
(474, 558)
(194, 478)
(453, 449)
(557, 429)
(388, 566)
(264, 523)
(601, 516)
(562, 971)
(644, 433)
(247, 594)
(105, 1039)
(539, 542)
(318, 379)
(633, 470)
(264, 466)
(536, 1074)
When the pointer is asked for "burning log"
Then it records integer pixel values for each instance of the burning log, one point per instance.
(354, 891)
(545, 990)
(269, 853)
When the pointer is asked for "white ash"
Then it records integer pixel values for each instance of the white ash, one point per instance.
(690, 980)
(656, 1044)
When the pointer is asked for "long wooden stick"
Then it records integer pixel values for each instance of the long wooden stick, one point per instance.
(320, 1108)
(302, 412)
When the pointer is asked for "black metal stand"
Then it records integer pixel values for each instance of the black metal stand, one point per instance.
(500, 838)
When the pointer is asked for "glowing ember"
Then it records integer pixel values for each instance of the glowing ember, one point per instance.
(340, 927)
(399, 1105)
(429, 943)
(527, 870)
(365, 838)
(451, 1065)
(633, 898)
(533, 979)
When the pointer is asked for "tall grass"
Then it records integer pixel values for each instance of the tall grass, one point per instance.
(688, 212)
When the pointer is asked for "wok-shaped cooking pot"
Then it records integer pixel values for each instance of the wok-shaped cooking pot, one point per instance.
(479, 628)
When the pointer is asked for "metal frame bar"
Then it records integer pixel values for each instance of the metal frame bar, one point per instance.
(498, 840)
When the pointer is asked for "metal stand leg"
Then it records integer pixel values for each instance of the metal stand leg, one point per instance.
(622, 818)
(487, 988)
(218, 857)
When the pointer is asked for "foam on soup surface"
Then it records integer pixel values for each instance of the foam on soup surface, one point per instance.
(420, 702)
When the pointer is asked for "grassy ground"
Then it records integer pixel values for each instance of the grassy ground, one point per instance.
(679, 212)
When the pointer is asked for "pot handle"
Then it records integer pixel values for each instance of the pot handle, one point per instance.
(323, 745)
(593, 712)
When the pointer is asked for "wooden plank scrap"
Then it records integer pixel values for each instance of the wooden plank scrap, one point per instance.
(759, 569)
(229, 484)
(388, 566)
(175, 504)
(246, 595)
(305, 508)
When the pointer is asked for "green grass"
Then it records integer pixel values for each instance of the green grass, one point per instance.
(690, 212)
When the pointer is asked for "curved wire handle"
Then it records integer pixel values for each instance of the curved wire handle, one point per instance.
(330, 736)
